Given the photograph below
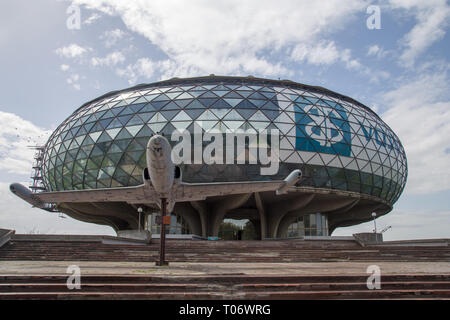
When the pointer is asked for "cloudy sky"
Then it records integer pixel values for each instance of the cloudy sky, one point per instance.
(55, 55)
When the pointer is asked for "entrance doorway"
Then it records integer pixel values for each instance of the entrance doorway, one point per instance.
(233, 229)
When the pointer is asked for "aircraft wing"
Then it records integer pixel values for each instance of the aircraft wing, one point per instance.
(138, 194)
(180, 192)
(200, 191)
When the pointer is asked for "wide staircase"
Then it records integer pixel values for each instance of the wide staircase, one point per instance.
(226, 287)
(19, 248)
(223, 286)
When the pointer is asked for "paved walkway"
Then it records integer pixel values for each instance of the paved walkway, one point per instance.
(192, 269)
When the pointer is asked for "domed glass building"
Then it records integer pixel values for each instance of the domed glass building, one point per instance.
(353, 164)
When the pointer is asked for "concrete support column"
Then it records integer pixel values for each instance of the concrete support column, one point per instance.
(278, 210)
(185, 210)
(262, 216)
(202, 211)
(257, 225)
(286, 222)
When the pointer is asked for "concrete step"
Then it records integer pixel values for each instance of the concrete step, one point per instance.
(238, 286)
(195, 287)
(276, 295)
(218, 251)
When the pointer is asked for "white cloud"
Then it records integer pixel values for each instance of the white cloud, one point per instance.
(110, 60)
(376, 51)
(229, 37)
(419, 112)
(432, 17)
(73, 80)
(320, 53)
(18, 215)
(143, 67)
(112, 36)
(92, 18)
(16, 134)
(72, 51)
(373, 50)
(64, 67)
(325, 53)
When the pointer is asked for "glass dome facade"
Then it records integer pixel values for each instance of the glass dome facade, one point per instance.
(336, 141)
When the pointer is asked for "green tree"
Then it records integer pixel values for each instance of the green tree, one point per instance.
(228, 231)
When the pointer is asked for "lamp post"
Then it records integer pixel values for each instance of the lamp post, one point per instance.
(140, 212)
(162, 237)
(374, 215)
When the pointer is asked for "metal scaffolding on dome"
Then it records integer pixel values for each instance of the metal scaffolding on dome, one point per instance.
(37, 183)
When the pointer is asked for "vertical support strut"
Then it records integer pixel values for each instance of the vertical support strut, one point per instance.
(162, 238)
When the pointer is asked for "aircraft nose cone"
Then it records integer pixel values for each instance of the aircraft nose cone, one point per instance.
(154, 142)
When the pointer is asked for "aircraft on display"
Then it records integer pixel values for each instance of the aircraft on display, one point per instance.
(162, 182)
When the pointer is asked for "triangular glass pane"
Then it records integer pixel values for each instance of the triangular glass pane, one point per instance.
(207, 101)
(233, 125)
(114, 124)
(257, 103)
(245, 94)
(147, 108)
(233, 94)
(181, 125)
(146, 116)
(209, 94)
(157, 105)
(135, 146)
(158, 118)
(259, 116)
(134, 129)
(157, 127)
(194, 113)
(195, 104)
(233, 115)
(220, 93)
(196, 94)
(113, 132)
(124, 134)
(257, 95)
(169, 114)
(259, 124)
(87, 141)
(185, 95)
(183, 103)
(104, 137)
(108, 114)
(161, 97)
(117, 110)
(221, 104)
(171, 106)
(135, 155)
(270, 106)
(207, 115)
(145, 132)
(206, 125)
(220, 113)
(182, 116)
(124, 119)
(245, 104)
(173, 95)
(135, 121)
(271, 114)
(221, 87)
(136, 107)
